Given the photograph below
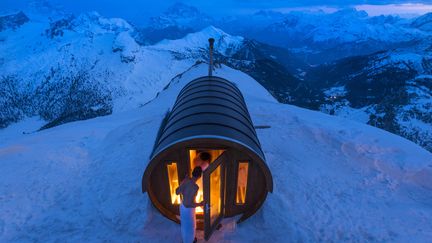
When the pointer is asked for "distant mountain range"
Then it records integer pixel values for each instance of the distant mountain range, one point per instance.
(375, 70)
(317, 37)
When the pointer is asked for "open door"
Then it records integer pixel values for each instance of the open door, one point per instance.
(214, 194)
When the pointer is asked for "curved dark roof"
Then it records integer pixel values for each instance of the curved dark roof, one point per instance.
(208, 107)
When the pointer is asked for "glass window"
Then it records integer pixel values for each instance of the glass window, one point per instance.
(242, 177)
(173, 182)
(215, 194)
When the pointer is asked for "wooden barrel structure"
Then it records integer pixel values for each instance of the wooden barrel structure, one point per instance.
(209, 117)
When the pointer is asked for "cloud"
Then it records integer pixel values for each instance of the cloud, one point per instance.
(404, 10)
(373, 7)
(338, 3)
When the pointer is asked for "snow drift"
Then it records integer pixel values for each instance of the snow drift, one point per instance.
(334, 179)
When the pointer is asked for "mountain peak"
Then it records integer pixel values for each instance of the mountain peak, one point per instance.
(180, 15)
(13, 21)
(423, 22)
(268, 14)
(179, 9)
(351, 12)
(224, 43)
(213, 31)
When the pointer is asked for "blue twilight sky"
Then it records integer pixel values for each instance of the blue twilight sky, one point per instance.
(140, 10)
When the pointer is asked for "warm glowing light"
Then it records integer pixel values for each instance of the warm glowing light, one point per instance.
(199, 198)
(200, 195)
(215, 194)
(242, 177)
(173, 182)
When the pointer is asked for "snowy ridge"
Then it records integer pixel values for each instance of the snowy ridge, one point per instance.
(103, 48)
(402, 75)
(320, 36)
(224, 43)
(423, 22)
(122, 73)
(335, 180)
(355, 26)
(97, 50)
(94, 23)
(346, 25)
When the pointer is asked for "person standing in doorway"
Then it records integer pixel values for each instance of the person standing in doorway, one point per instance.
(188, 190)
(202, 159)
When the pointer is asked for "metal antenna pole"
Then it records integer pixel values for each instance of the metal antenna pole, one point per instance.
(211, 43)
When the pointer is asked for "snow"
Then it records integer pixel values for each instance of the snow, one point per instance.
(402, 59)
(342, 109)
(224, 43)
(302, 27)
(335, 92)
(345, 26)
(334, 180)
(339, 106)
(94, 23)
(127, 45)
(424, 76)
(182, 16)
(423, 22)
(413, 58)
(104, 47)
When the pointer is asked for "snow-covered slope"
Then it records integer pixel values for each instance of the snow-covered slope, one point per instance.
(325, 37)
(348, 25)
(423, 22)
(91, 43)
(74, 68)
(334, 179)
(391, 90)
(49, 65)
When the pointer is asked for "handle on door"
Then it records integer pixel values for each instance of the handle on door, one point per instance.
(207, 207)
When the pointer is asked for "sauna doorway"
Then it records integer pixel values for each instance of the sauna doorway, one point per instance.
(211, 187)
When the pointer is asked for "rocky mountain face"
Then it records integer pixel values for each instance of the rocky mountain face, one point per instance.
(375, 70)
(77, 67)
(390, 90)
(316, 37)
(101, 62)
(87, 65)
(324, 37)
(277, 69)
(174, 23)
(13, 21)
(423, 22)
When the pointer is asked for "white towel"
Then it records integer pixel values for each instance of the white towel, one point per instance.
(187, 223)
